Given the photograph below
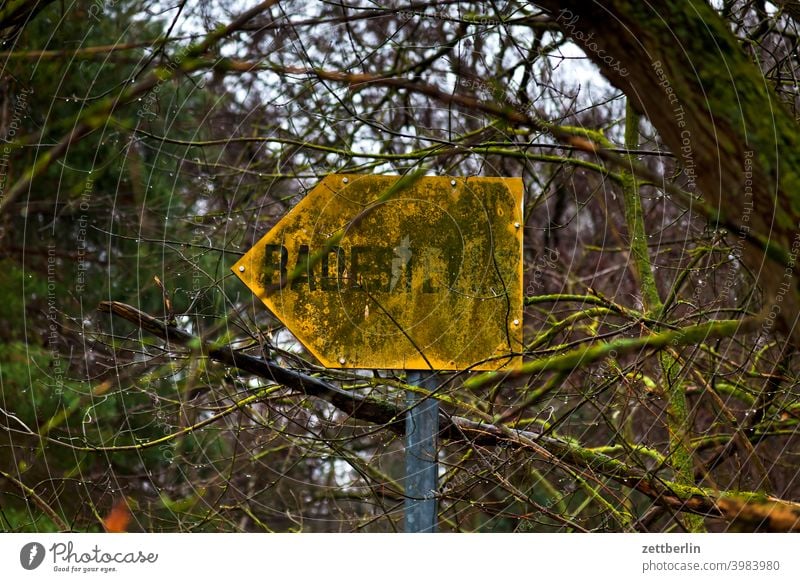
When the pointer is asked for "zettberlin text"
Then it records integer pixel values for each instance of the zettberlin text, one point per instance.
(671, 549)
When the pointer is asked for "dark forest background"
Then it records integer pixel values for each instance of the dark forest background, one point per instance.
(146, 145)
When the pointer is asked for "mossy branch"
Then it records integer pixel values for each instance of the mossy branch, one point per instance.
(690, 335)
(762, 512)
(678, 421)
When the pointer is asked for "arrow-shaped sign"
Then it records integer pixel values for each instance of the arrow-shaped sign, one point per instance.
(429, 277)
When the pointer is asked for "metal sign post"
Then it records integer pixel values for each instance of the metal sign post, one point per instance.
(421, 480)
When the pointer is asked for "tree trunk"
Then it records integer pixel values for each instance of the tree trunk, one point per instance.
(681, 67)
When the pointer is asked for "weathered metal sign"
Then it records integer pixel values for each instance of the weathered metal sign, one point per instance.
(429, 277)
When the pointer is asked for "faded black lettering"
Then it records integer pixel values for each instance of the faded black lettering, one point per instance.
(401, 265)
(371, 268)
(276, 258)
(305, 274)
(330, 282)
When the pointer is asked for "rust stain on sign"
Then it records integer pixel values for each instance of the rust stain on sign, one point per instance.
(427, 278)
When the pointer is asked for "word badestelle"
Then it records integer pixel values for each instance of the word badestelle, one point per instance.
(377, 269)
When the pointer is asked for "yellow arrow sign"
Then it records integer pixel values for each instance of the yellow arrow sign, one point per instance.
(429, 277)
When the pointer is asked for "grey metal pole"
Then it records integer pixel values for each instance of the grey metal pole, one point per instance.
(420, 483)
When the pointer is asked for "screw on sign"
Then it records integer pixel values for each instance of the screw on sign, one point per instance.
(367, 272)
